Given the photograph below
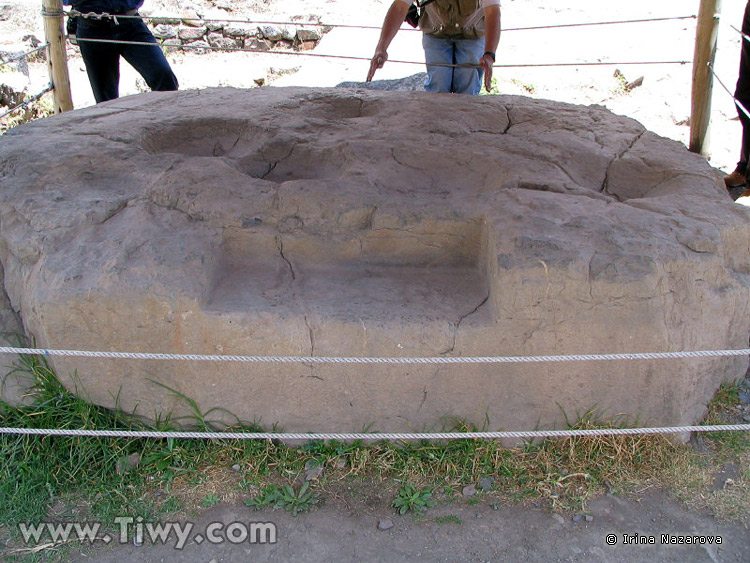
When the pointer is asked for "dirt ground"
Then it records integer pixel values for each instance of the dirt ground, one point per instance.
(466, 531)
(457, 533)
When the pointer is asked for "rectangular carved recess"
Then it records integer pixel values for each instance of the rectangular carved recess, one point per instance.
(427, 271)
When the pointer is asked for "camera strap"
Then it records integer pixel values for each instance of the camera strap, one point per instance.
(412, 16)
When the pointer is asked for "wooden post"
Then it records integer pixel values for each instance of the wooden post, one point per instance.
(705, 52)
(57, 58)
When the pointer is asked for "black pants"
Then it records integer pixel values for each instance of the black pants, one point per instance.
(102, 60)
(742, 93)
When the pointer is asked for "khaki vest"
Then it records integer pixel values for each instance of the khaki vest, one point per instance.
(453, 18)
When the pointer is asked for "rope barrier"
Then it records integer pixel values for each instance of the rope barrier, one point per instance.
(24, 55)
(374, 360)
(353, 58)
(744, 36)
(76, 13)
(588, 24)
(736, 101)
(26, 102)
(375, 436)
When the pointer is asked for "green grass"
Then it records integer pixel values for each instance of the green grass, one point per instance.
(448, 519)
(44, 477)
(727, 444)
(37, 471)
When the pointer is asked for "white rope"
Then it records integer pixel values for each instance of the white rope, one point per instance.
(99, 16)
(208, 47)
(744, 35)
(23, 55)
(728, 91)
(375, 360)
(25, 104)
(372, 436)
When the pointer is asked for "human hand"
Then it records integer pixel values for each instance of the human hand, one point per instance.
(378, 60)
(487, 61)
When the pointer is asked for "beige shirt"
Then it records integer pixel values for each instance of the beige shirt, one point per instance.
(483, 3)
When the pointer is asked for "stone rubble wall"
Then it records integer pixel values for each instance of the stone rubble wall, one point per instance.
(211, 33)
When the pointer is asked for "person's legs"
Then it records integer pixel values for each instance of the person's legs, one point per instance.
(438, 50)
(102, 60)
(468, 80)
(742, 95)
(149, 61)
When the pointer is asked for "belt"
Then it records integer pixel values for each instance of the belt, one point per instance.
(104, 16)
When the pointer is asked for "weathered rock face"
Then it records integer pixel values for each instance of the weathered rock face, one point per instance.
(296, 222)
(13, 383)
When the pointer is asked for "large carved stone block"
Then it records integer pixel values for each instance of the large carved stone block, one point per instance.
(312, 222)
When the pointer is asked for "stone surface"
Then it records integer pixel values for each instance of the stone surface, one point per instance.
(164, 31)
(200, 47)
(14, 384)
(220, 42)
(308, 34)
(485, 483)
(469, 490)
(14, 87)
(303, 222)
(241, 30)
(126, 464)
(415, 83)
(259, 44)
(384, 525)
(192, 33)
(270, 32)
(19, 64)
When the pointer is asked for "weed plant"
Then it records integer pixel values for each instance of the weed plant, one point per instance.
(411, 499)
(78, 478)
(286, 497)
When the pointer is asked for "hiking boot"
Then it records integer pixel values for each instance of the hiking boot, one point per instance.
(735, 179)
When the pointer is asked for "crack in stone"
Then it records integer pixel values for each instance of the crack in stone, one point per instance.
(269, 170)
(280, 246)
(312, 337)
(174, 207)
(239, 137)
(393, 155)
(510, 122)
(275, 163)
(605, 184)
(576, 191)
(503, 132)
(114, 212)
(460, 320)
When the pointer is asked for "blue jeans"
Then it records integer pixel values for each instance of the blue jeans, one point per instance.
(742, 93)
(102, 60)
(453, 51)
